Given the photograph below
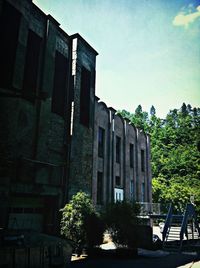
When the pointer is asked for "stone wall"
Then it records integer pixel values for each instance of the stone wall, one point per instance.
(81, 157)
(33, 144)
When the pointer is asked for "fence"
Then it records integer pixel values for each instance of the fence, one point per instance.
(153, 208)
(35, 257)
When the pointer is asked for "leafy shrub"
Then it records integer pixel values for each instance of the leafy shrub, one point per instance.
(120, 219)
(79, 219)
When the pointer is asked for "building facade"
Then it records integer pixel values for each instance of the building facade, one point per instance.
(56, 138)
(121, 167)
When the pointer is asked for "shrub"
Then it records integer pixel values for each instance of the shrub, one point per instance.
(79, 218)
(120, 219)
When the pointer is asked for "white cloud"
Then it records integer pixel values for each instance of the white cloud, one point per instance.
(183, 19)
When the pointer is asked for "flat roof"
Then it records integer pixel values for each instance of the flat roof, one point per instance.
(77, 35)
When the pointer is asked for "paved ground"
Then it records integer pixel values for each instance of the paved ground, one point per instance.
(161, 261)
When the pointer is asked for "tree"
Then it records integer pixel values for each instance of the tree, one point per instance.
(138, 110)
(152, 111)
(184, 110)
(175, 146)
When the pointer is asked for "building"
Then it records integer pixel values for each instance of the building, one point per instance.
(56, 138)
(121, 167)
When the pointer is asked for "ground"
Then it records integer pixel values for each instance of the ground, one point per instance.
(182, 260)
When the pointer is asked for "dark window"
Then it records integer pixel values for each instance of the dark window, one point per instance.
(28, 210)
(132, 188)
(117, 181)
(59, 86)
(85, 97)
(131, 155)
(39, 210)
(142, 160)
(118, 149)
(101, 140)
(99, 188)
(9, 30)
(31, 65)
(17, 210)
(143, 192)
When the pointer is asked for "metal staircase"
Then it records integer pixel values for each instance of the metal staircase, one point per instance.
(179, 229)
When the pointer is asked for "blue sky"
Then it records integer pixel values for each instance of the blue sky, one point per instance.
(149, 50)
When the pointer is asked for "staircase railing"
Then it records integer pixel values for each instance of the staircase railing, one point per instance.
(167, 222)
(189, 213)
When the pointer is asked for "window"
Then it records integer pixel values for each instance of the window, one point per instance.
(131, 155)
(59, 85)
(101, 139)
(31, 65)
(99, 188)
(85, 97)
(132, 188)
(143, 192)
(118, 195)
(117, 181)
(9, 30)
(118, 149)
(142, 161)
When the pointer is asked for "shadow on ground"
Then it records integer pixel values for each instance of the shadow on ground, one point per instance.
(170, 261)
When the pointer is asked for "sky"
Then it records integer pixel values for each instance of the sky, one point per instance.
(149, 50)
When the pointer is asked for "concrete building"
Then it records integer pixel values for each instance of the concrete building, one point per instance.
(121, 167)
(56, 138)
(35, 79)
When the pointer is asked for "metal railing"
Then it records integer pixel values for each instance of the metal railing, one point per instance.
(153, 208)
(167, 222)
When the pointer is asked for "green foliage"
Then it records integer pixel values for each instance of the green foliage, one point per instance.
(78, 217)
(120, 219)
(175, 149)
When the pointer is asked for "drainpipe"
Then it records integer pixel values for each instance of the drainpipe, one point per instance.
(136, 162)
(112, 129)
(124, 159)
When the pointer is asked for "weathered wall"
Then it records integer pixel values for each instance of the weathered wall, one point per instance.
(135, 180)
(33, 139)
(131, 175)
(102, 119)
(81, 157)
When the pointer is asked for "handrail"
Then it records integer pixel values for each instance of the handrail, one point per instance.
(184, 222)
(167, 222)
(189, 213)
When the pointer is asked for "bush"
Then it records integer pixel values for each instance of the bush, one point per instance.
(78, 221)
(120, 219)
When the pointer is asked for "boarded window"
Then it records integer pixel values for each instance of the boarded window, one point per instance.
(99, 188)
(131, 155)
(9, 30)
(118, 149)
(142, 161)
(31, 65)
(85, 97)
(60, 84)
(101, 141)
